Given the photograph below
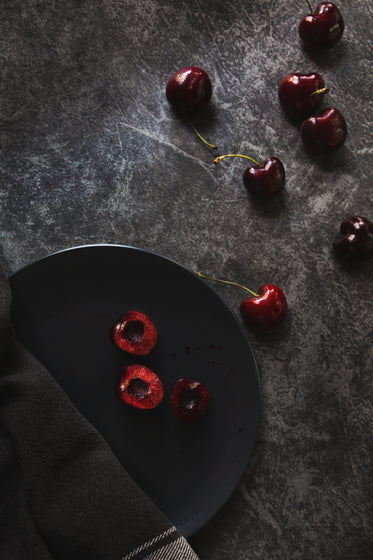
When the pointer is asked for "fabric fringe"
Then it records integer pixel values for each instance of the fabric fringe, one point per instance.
(166, 546)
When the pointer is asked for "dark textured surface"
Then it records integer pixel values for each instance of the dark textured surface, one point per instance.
(90, 152)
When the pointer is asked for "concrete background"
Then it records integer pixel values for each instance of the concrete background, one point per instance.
(90, 152)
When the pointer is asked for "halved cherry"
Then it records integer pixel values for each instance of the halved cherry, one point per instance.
(140, 387)
(189, 399)
(134, 333)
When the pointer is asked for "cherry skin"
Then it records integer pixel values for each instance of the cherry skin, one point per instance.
(355, 239)
(189, 89)
(134, 333)
(189, 399)
(301, 94)
(140, 387)
(325, 132)
(267, 310)
(323, 27)
(265, 179)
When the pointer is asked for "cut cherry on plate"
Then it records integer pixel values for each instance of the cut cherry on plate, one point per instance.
(140, 387)
(265, 179)
(134, 333)
(301, 94)
(325, 132)
(323, 27)
(355, 238)
(189, 399)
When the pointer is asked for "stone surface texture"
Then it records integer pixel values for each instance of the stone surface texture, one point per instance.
(90, 152)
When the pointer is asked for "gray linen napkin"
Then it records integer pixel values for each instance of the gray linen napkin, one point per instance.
(63, 494)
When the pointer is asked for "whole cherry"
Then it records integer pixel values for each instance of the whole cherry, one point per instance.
(140, 387)
(134, 333)
(355, 238)
(189, 399)
(265, 310)
(301, 94)
(325, 132)
(323, 27)
(265, 179)
(189, 89)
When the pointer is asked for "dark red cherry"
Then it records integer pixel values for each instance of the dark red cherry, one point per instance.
(140, 387)
(325, 132)
(355, 240)
(189, 89)
(301, 94)
(134, 333)
(323, 27)
(265, 179)
(267, 310)
(189, 399)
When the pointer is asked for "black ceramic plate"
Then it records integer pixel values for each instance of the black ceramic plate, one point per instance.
(63, 308)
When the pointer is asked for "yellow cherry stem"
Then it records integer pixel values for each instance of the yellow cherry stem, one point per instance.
(216, 160)
(322, 90)
(201, 137)
(227, 282)
(316, 92)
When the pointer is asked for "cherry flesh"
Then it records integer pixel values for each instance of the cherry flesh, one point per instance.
(189, 89)
(140, 387)
(301, 94)
(323, 27)
(265, 179)
(355, 240)
(325, 132)
(267, 310)
(189, 399)
(134, 333)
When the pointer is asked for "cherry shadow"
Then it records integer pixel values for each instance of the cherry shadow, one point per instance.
(291, 121)
(203, 119)
(268, 207)
(329, 161)
(273, 337)
(202, 125)
(326, 58)
(354, 267)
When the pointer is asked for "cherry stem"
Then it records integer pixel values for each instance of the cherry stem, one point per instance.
(201, 137)
(228, 282)
(310, 7)
(316, 92)
(322, 90)
(216, 160)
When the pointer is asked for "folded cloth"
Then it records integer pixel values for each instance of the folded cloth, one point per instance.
(63, 494)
